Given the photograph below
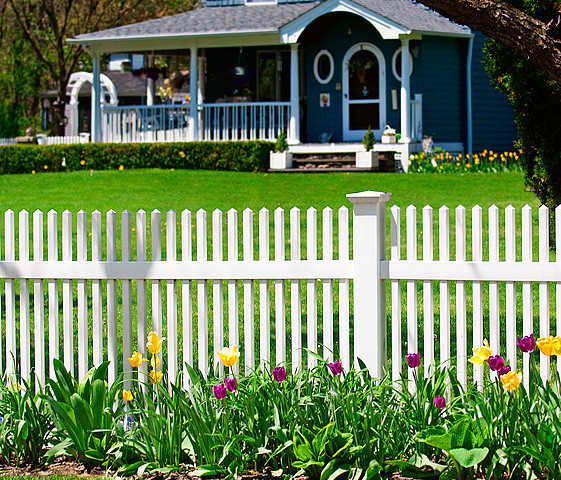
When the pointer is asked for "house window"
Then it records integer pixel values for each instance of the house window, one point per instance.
(324, 67)
(396, 64)
(273, 76)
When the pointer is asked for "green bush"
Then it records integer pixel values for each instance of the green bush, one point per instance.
(234, 156)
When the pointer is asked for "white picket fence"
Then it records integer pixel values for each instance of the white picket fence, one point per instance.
(225, 284)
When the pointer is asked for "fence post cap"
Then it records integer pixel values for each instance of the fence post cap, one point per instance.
(369, 196)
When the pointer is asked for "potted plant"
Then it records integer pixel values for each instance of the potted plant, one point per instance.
(368, 158)
(389, 135)
(280, 157)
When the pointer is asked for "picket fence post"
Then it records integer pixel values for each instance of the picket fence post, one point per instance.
(369, 249)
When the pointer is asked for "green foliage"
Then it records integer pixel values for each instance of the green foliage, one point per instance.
(281, 145)
(236, 156)
(368, 140)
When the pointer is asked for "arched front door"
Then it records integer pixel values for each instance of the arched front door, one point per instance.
(364, 91)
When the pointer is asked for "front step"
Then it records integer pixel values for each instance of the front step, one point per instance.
(332, 162)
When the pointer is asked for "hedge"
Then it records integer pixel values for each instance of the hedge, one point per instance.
(236, 156)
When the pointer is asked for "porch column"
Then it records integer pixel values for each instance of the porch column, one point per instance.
(150, 85)
(405, 92)
(193, 93)
(96, 99)
(294, 125)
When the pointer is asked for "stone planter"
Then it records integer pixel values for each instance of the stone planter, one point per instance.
(280, 160)
(367, 159)
(388, 139)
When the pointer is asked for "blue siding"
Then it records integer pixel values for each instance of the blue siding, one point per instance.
(493, 117)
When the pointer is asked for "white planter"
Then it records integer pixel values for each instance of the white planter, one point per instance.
(367, 159)
(280, 160)
(388, 139)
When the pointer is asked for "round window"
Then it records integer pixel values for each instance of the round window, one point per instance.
(323, 66)
(396, 64)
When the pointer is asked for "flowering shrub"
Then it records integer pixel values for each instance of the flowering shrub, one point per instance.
(485, 161)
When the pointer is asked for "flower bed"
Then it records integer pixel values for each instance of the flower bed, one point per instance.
(443, 162)
(324, 423)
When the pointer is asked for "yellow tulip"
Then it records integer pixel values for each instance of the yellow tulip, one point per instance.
(155, 377)
(511, 380)
(155, 362)
(127, 395)
(154, 344)
(229, 356)
(136, 359)
(549, 345)
(481, 354)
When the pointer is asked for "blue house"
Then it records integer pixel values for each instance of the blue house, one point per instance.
(317, 71)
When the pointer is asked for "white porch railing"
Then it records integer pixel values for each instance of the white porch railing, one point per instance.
(416, 118)
(243, 121)
(142, 123)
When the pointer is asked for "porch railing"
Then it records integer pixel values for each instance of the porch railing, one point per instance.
(141, 123)
(243, 121)
(416, 118)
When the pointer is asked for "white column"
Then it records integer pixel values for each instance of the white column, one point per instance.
(96, 99)
(369, 249)
(151, 85)
(193, 93)
(405, 92)
(294, 125)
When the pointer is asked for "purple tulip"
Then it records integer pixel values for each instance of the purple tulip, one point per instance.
(336, 367)
(496, 362)
(413, 359)
(527, 344)
(231, 384)
(440, 402)
(219, 391)
(504, 370)
(279, 374)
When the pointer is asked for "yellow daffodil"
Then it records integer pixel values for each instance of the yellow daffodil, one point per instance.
(511, 380)
(549, 345)
(229, 356)
(127, 395)
(15, 387)
(136, 359)
(481, 354)
(154, 344)
(155, 377)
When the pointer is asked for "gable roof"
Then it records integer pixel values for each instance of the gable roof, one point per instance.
(262, 23)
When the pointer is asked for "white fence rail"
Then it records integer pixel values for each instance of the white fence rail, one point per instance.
(7, 141)
(141, 123)
(235, 278)
(244, 120)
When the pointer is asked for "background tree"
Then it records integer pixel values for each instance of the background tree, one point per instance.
(523, 59)
(46, 24)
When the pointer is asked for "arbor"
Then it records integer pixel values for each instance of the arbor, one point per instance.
(46, 24)
(523, 59)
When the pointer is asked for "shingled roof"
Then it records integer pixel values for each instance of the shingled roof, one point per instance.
(268, 18)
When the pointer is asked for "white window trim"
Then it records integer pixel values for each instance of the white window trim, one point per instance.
(394, 64)
(327, 53)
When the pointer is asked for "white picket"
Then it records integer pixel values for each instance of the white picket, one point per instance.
(24, 320)
(112, 340)
(543, 230)
(510, 289)
(280, 309)
(248, 291)
(187, 295)
(202, 300)
(171, 290)
(327, 229)
(141, 299)
(412, 320)
(444, 256)
(295, 295)
(156, 228)
(38, 301)
(126, 294)
(52, 255)
(311, 288)
(217, 291)
(97, 305)
(494, 308)
(395, 254)
(344, 298)
(477, 294)
(82, 295)
(67, 296)
(10, 291)
(264, 294)
(527, 298)
(233, 290)
(428, 295)
(461, 319)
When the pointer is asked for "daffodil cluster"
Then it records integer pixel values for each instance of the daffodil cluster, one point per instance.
(154, 346)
